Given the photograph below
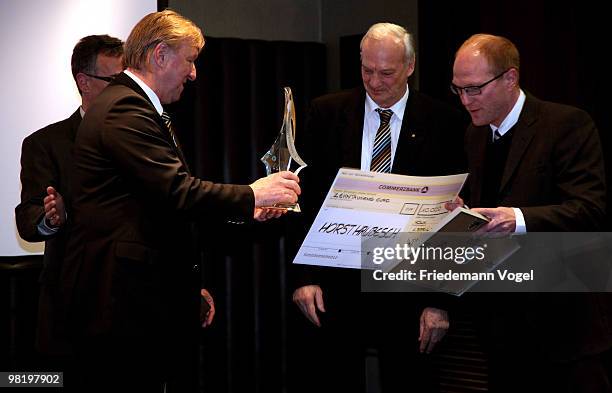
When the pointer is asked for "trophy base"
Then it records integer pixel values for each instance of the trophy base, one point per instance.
(291, 207)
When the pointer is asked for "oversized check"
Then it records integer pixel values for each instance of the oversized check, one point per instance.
(366, 205)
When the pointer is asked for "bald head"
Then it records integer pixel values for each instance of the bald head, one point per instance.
(486, 76)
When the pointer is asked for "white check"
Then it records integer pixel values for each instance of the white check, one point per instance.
(363, 204)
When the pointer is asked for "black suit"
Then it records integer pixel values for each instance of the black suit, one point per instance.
(428, 145)
(132, 290)
(555, 174)
(46, 160)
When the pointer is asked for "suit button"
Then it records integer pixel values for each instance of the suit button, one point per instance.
(196, 268)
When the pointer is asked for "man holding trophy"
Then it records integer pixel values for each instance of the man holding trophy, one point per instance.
(131, 292)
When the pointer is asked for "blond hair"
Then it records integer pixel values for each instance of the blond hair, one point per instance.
(167, 27)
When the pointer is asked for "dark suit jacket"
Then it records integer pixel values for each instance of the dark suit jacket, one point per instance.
(46, 160)
(428, 145)
(554, 171)
(131, 263)
(555, 175)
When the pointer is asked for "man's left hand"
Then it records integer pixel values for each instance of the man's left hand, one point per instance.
(503, 219)
(265, 213)
(434, 324)
(207, 317)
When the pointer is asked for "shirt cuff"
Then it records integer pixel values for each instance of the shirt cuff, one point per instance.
(520, 221)
(46, 230)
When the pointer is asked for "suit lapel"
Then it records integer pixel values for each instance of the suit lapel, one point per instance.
(352, 130)
(523, 134)
(123, 79)
(411, 138)
(478, 149)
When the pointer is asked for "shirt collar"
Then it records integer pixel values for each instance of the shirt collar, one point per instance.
(512, 117)
(397, 108)
(148, 91)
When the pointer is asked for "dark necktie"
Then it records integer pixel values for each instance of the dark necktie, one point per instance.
(166, 118)
(381, 154)
(496, 135)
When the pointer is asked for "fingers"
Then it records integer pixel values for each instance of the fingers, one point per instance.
(264, 214)
(304, 297)
(457, 202)
(51, 213)
(450, 206)
(430, 337)
(424, 339)
(319, 300)
(207, 319)
(289, 175)
(503, 220)
(433, 326)
(210, 315)
(311, 314)
(279, 187)
(54, 207)
(289, 180)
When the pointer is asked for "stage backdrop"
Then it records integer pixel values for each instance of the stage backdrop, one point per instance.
(37, 86)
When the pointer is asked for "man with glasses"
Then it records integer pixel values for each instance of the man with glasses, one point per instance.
(46, 169)
(535, 166)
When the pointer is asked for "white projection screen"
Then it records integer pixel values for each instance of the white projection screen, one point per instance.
(36, 83)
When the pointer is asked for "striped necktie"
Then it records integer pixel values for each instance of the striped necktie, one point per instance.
(166, 118)
(168, 123)
(381, 154)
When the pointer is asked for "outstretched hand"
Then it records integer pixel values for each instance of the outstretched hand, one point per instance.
(281, 187)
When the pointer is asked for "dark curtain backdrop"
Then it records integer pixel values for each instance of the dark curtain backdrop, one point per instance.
(562, 47)
(226, 120)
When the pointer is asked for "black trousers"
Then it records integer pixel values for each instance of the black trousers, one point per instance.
(332, 358)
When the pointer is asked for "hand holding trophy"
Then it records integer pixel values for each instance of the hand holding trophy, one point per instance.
(282, 153)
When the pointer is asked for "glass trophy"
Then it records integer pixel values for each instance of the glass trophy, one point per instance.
(282, 155)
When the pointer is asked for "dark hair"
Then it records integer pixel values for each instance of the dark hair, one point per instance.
(87, 50)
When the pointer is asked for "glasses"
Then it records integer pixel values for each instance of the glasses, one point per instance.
(102, 78)
(474, 90)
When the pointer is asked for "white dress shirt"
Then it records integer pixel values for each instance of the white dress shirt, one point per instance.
(371, 122)
(503, 128)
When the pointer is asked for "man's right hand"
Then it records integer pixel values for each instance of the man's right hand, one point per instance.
(276, 188)
(55, 211)
(309, 298)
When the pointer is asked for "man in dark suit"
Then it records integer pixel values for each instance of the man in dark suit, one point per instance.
(342, 131)
(46, 168)
(534, 166)
(130, 283)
